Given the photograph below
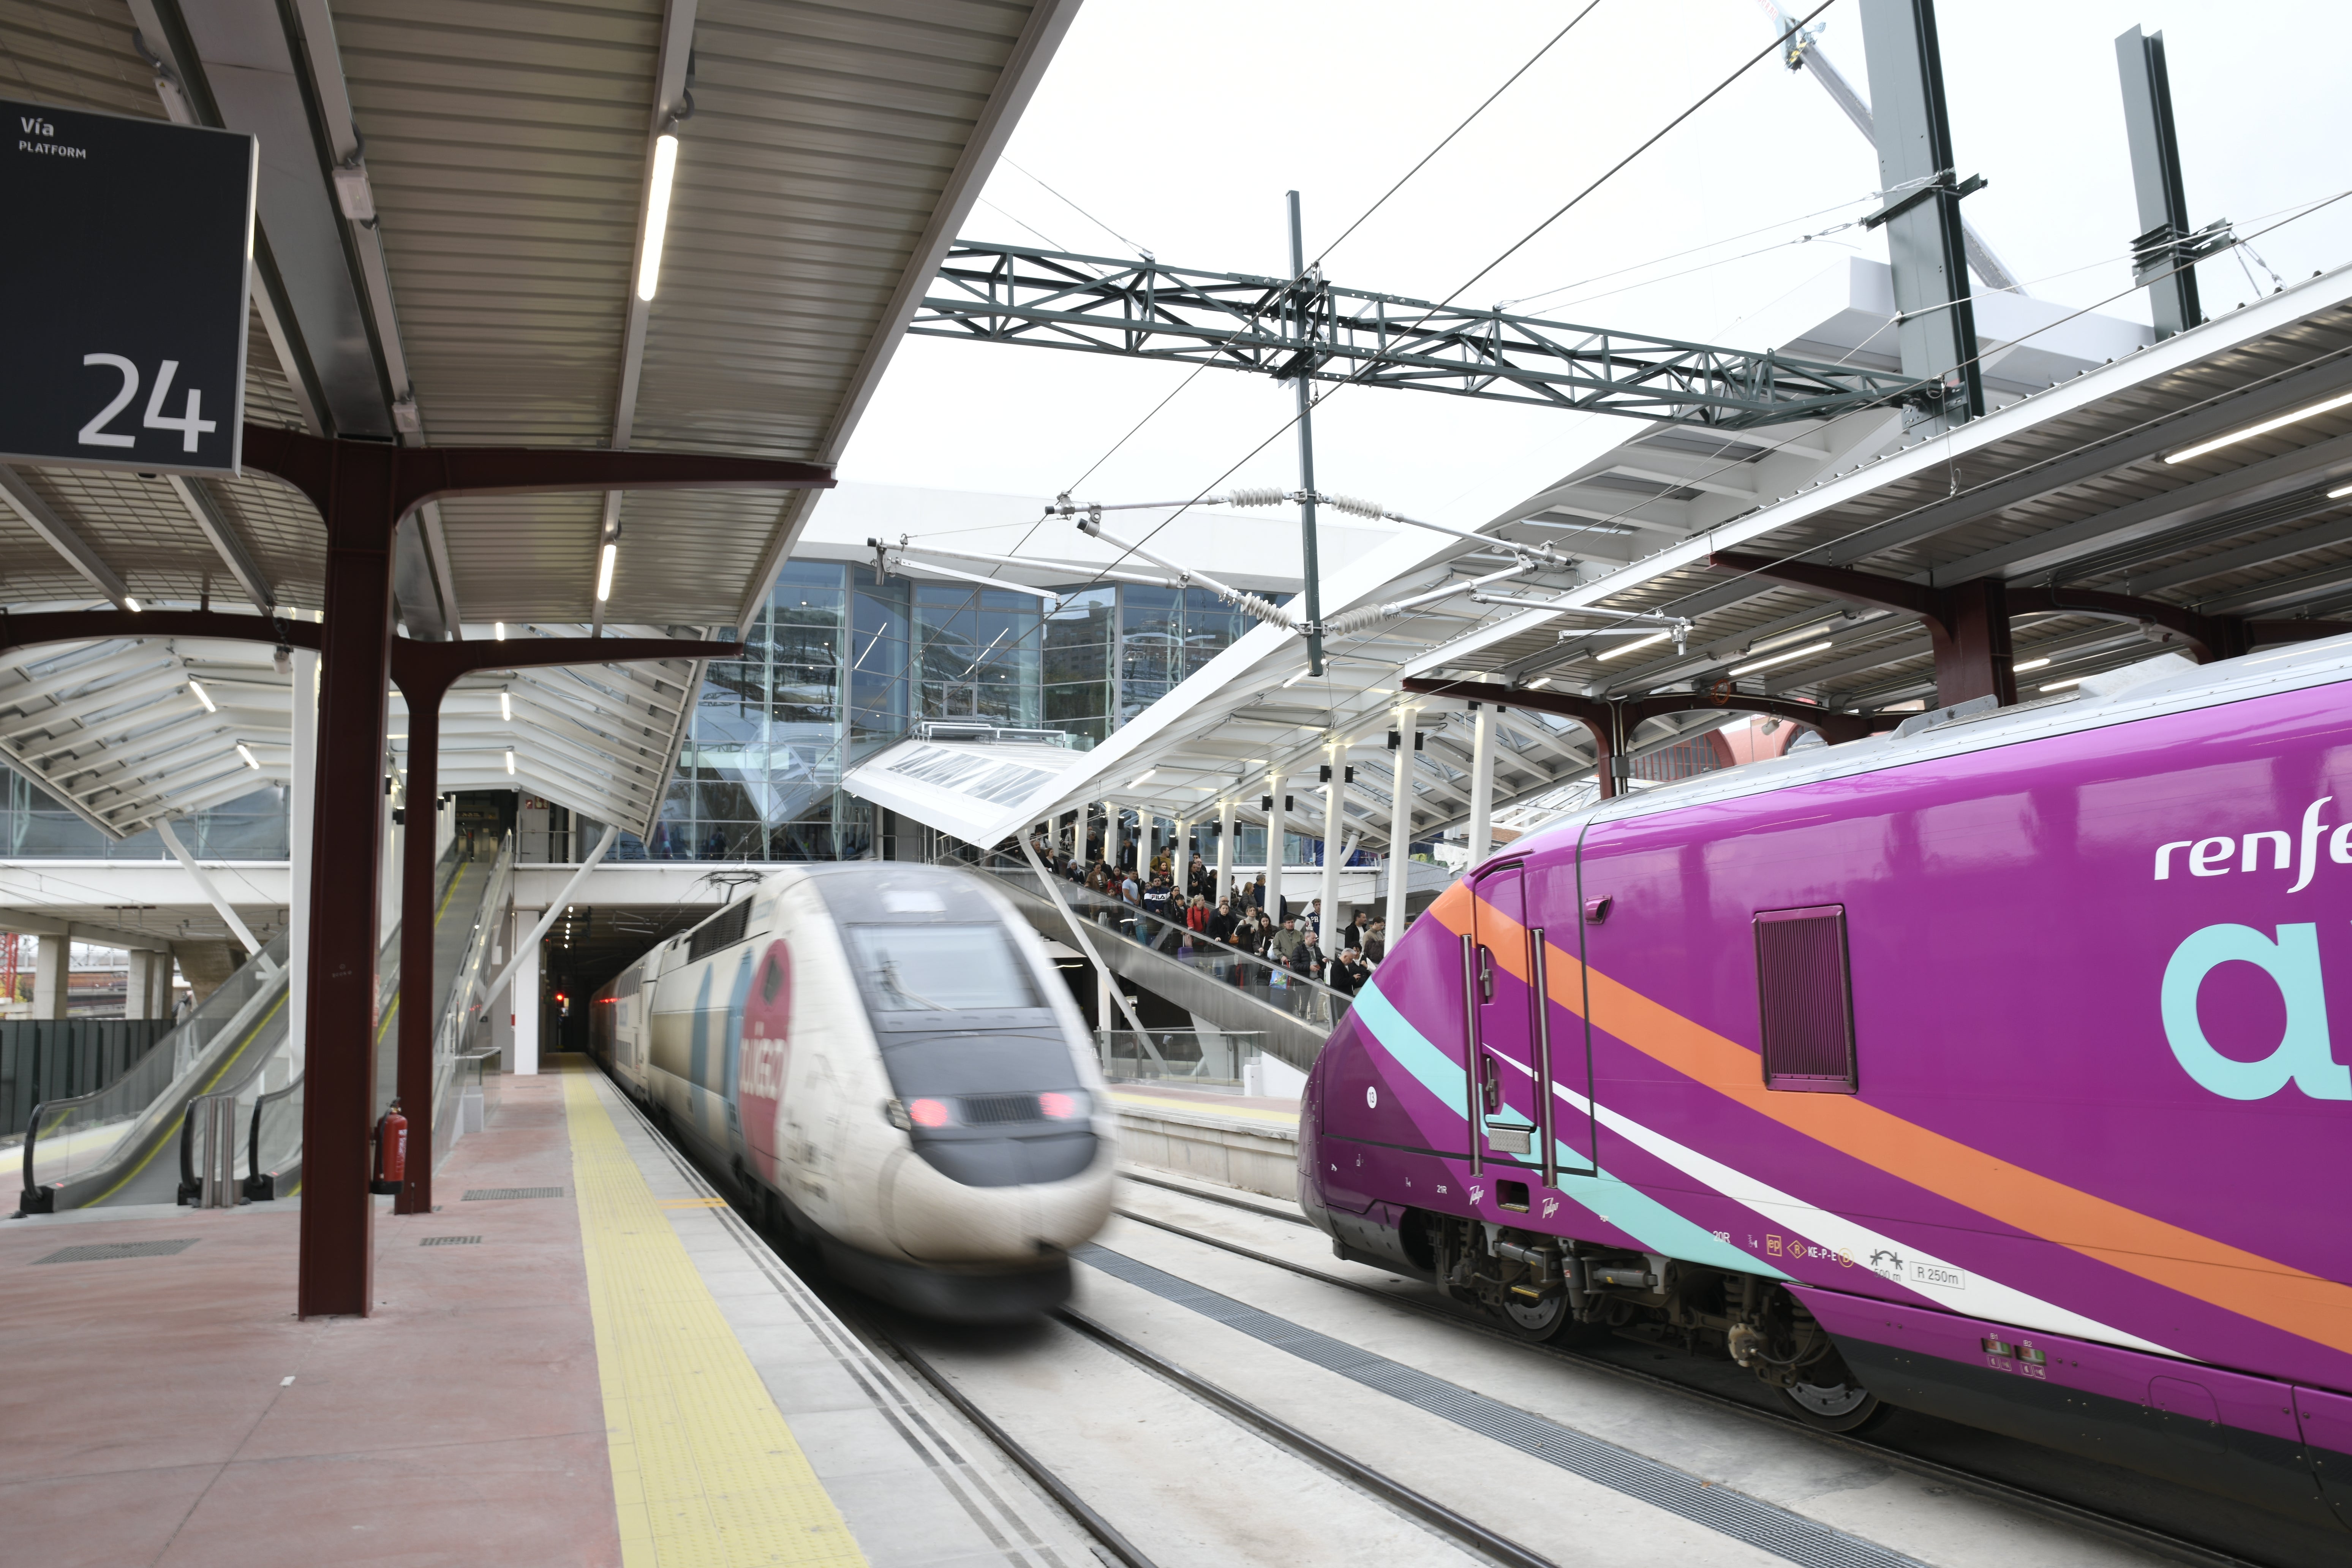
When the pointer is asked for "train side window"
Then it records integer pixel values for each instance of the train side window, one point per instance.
(1806, 991)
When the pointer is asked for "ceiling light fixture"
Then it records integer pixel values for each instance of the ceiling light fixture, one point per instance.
(247, 756)
(1804, 652)
(499, 630)
(2339, 494)
(128, 602)
(604, 569)
(201, 696)
(510, 759)
(2029, 664)
(2309, 411)
(2063, 685)
(1297, 678)
(1540, 684)
(1625, 647)
(506, 706)
(1145, 779)
(657, 213)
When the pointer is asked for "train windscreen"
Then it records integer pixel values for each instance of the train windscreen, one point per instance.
(941, 969)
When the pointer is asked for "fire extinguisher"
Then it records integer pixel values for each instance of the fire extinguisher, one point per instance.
(391, 1151)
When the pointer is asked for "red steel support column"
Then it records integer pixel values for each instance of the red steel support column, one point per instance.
(1971, 642)
(336, 1276)
(362, 492)
(425, 671)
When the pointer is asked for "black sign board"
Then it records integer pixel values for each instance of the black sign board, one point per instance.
(123, 282)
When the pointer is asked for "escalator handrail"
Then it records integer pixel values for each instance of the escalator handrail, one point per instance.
(467, 979)
(25, 1205)
(253, 1127)
(445, 869)
(239, 1024)
(1087, 898)
(70, 1102)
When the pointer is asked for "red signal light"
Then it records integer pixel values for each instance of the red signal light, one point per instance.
(927, 1112)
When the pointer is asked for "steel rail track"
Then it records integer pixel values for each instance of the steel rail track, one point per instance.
(1107, 1536)
(1036, 1469)
(2123, 1532)
(1446, 1522)
(1460, 1527)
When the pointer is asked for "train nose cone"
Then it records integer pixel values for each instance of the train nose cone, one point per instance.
(982, 1158)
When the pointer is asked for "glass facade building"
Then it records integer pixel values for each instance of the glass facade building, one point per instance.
(836, 668)
(35, 828)
(841, 665)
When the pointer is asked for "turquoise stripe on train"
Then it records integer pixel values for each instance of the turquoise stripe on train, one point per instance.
(1631, 1210)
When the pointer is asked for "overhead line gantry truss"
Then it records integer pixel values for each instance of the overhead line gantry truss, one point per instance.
(1287, 328)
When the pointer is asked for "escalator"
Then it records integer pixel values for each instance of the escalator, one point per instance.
(1231, 991)
(230, 1073)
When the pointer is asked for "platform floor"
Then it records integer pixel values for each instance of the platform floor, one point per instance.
(1245, 1110)
(616, 1373)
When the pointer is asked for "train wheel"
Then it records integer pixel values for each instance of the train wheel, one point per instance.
(1547, 1319)
(1843, 1407)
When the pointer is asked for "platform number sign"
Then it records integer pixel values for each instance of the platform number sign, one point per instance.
(124, 284)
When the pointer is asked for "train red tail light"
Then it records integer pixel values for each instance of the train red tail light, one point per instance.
(927, 1112)
(1060, 1106)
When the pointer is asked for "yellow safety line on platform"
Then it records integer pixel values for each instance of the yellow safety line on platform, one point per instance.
(705, 1469)
(1206, 1108)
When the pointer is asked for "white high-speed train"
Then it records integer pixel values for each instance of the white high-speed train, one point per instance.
(886, 1054)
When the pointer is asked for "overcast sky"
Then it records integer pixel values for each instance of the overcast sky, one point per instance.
(1178, 129)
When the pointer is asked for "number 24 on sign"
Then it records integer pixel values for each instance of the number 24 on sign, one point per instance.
(189, 422)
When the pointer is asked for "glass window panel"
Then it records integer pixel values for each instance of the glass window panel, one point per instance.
(1151, 646)
(941, 968)
(795, 583)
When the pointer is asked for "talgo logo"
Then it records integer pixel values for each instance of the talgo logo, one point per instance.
(2292, 960)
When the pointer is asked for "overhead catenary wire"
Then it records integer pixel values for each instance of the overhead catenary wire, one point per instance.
(1080, 211)
(1447, 139)
(1809, 547)
(1367, 212)
(1317, 399)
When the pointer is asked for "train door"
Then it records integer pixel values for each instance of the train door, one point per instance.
(1516, 1118)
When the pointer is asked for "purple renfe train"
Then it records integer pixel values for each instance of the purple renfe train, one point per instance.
(1983, 1070)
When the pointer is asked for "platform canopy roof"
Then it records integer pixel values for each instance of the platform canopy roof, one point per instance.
(2158, 474)
(825, 159)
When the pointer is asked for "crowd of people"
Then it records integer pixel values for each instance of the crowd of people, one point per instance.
(1165, 906)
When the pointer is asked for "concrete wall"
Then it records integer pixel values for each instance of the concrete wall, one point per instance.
(1210, 1149)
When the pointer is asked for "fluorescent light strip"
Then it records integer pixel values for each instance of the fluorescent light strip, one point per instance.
(499, 630)
(247, 756)
(202, 695)
(2309, 411)
(1782, 658)
(2029, 664)
(2339, 494)
(657, 214)
(1630, 647)
(506, 707)
(510, 759)
(1145, 779)
(605, 571)
(2063, 685)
